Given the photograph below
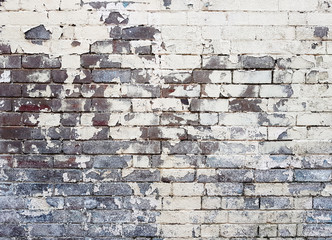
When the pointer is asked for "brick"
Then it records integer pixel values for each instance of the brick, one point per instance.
(139, 33)
(47, 147)
(323, 203)
(317, 230)
(10, 90)
(172, 203)
(71, 76)
(209, 105)
(116, 147)
(110, 216)
(238, 230)
(274, 175)
(5, 48)
(8, 146)
(276, 91)
(118, 189)
(276, 203)
(40, 76)
(224, 189)
(104, 230)
(313, 175)
(175, 76)
(211, 148)
(247, 105)
(111, 76)
(56, 230)
(10, 61)
(100, 61)
(111, 46)
(185, 91)
(181, 147)
(209, 76)
(40, 61)
(314, 119)
(12, 230)
(220, 62)
(110, 105)
(34, 189)
(250, 62)
(251, 77)
(140, 230)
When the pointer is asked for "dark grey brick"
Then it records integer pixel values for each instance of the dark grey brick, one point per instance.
(144, 230)
(111, 76)
(143, 176)
(313, 175)
(112, 161)
(265, 62)
(47, 230)
(73, 189)
(118, 189)
(322, 203)
(139, 33)
(276, 203)
(110, 216)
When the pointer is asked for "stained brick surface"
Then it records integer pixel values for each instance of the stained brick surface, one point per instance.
(165, 119)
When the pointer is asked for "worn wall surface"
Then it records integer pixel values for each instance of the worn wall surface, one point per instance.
(165, 119)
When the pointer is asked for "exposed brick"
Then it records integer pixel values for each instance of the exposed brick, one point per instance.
(99, 61)
(40, 61)
(111, 76)
(140, 32)
(10, 61)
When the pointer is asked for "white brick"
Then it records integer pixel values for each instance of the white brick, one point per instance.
(167, 18)
(188, 189)
(180, 62)
(299, 5)
(206, 18)
(314, 119)
(173, 203)
(252, 77)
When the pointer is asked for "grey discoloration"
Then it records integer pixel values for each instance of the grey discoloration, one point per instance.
(108, 76)
(116, 18)
(139, 33)
(321, 32)
(167, 3)
(38, 33)
(250, 62)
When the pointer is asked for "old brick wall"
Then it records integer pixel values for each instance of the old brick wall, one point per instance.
(165, 119)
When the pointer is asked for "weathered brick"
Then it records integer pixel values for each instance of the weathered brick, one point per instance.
(111, 46)
(208, 76)
(71, 76)
(10, 61)
(118, 147)
(252, 77)
(111, 76)
(100, 61)
(313, 175)
(118, 189)
(9, 146)
(40, 61)
(250, 62)
(111, 105)
(10, 90)
(139, 33)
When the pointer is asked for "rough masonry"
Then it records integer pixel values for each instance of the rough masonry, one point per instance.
(165, 119)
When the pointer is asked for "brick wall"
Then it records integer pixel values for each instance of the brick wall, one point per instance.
(165, 119)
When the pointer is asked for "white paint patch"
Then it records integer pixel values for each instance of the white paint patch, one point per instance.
(5, 77)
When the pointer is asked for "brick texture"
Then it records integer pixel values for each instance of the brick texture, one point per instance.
(165, 119)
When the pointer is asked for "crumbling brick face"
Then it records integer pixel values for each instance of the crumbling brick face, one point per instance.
(165, 119)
